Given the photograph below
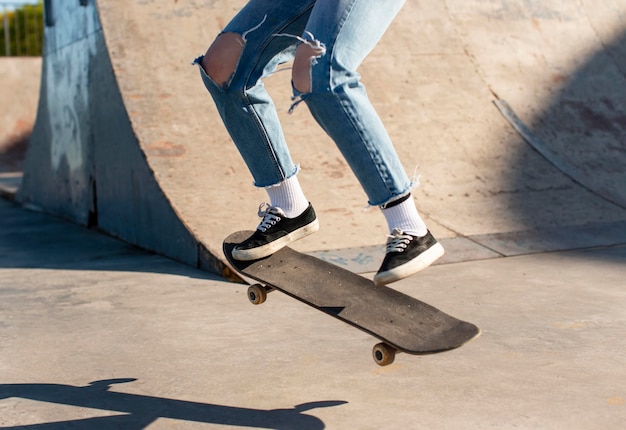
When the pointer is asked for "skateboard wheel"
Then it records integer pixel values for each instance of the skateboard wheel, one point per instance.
(257, 294)
(383, 354)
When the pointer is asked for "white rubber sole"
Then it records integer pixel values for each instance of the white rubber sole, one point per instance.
(409, 268)
(272, 247)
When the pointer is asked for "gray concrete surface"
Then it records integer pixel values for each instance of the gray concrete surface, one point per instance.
(97, 334)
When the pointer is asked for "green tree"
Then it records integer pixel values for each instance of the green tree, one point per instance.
(21, 31)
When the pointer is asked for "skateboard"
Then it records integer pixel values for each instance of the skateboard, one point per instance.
(401, 322)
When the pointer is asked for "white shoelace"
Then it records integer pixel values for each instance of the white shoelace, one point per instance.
(398, 241)
(270, 214)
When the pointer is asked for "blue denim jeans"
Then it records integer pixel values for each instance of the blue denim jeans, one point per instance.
(346, 31)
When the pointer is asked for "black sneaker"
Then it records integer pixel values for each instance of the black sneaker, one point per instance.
(407, 255)
(275, 232)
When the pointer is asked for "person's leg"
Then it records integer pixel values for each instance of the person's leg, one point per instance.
(247, 50)
(339, 35)
(232, 69)
(337, 38)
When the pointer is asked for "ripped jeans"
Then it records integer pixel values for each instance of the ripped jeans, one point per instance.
(345, 31)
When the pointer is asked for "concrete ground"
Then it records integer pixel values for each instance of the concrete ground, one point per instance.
(97, 334)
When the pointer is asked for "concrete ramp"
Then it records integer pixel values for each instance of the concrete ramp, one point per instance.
(512, 111)
(19, 96)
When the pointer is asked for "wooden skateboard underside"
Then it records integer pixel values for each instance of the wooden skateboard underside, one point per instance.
(399, 320)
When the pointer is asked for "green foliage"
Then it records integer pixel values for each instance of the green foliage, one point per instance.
(21, 31)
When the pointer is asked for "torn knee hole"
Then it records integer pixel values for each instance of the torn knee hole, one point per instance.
(304, 59)
(220, 60)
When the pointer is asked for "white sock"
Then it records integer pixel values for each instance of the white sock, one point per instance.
(288, 196)
(405, 217)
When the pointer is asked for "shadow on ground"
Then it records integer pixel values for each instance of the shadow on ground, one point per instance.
(140, 411)
(35, 240)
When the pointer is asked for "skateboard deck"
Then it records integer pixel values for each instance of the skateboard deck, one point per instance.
(403, 323)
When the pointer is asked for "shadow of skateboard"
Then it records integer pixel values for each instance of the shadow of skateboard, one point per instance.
(401, 322)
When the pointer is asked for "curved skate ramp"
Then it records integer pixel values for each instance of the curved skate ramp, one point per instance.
(19, 95)
(512, 111)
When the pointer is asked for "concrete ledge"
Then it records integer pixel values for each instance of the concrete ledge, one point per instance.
(488, 246)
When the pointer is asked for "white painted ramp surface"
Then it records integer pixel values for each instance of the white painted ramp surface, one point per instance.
(167, 176)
